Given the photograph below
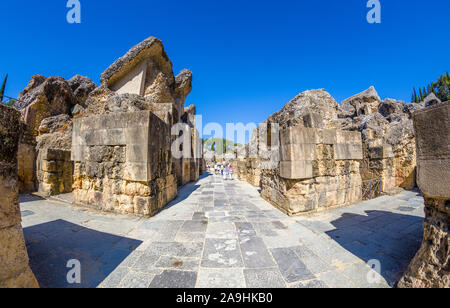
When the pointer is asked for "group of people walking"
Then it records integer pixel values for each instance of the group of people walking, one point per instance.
(226, 171)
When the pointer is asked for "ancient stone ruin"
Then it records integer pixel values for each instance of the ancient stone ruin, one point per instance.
(111, 145)
(47, 106)
(121, 143)
(318, 163)
(331, 155)
(14, 269)
(431, 266)
(128, 144)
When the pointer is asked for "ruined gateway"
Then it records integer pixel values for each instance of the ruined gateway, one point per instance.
(112, 147)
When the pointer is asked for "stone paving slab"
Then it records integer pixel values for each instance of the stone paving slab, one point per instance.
(223, 234)
(219, 278)
(222, 253)
(264, 278)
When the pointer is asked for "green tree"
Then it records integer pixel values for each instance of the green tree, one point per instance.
(2, 89)
(414, 98)
(440, 88)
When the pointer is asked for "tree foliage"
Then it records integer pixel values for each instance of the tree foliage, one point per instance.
(2, 89)
(440, 88)
(219, 145)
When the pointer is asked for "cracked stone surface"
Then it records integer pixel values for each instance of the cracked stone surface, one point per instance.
(223, 234)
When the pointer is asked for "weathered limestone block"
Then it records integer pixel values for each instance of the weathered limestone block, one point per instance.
(54, 167)
(302, 148)
(123, 162)
(14, 269)
(55, 172)
(431, 266)
(26, 159)
(319, 169)
(400, 135)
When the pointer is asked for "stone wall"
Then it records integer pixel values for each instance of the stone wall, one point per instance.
(189, 167)
(431, 265)
(27, 163)
(47, 106)
(301, 160)
(54, 172)
(388, 138)
(319, 169)
(123, 162)
(14, 269)
(378, 162)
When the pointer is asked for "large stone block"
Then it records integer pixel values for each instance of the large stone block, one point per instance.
(302, 169)
(142, 134)
(348, 151)
(115, 136)
(298, 152)
(432, 129)
(430, 266)
(348, 137)
(329, 136)
(14, 257)
(299, 135)
(9, 213)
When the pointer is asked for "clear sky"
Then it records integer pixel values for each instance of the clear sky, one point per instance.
(248, 57)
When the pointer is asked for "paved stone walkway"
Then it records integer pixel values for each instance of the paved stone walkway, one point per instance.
(222, 234)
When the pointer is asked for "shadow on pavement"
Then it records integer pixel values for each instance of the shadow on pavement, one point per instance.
(185, 191)
(391, 238)
(51, 245)
(24, 198)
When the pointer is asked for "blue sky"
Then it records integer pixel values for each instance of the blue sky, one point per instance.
(248, 57)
